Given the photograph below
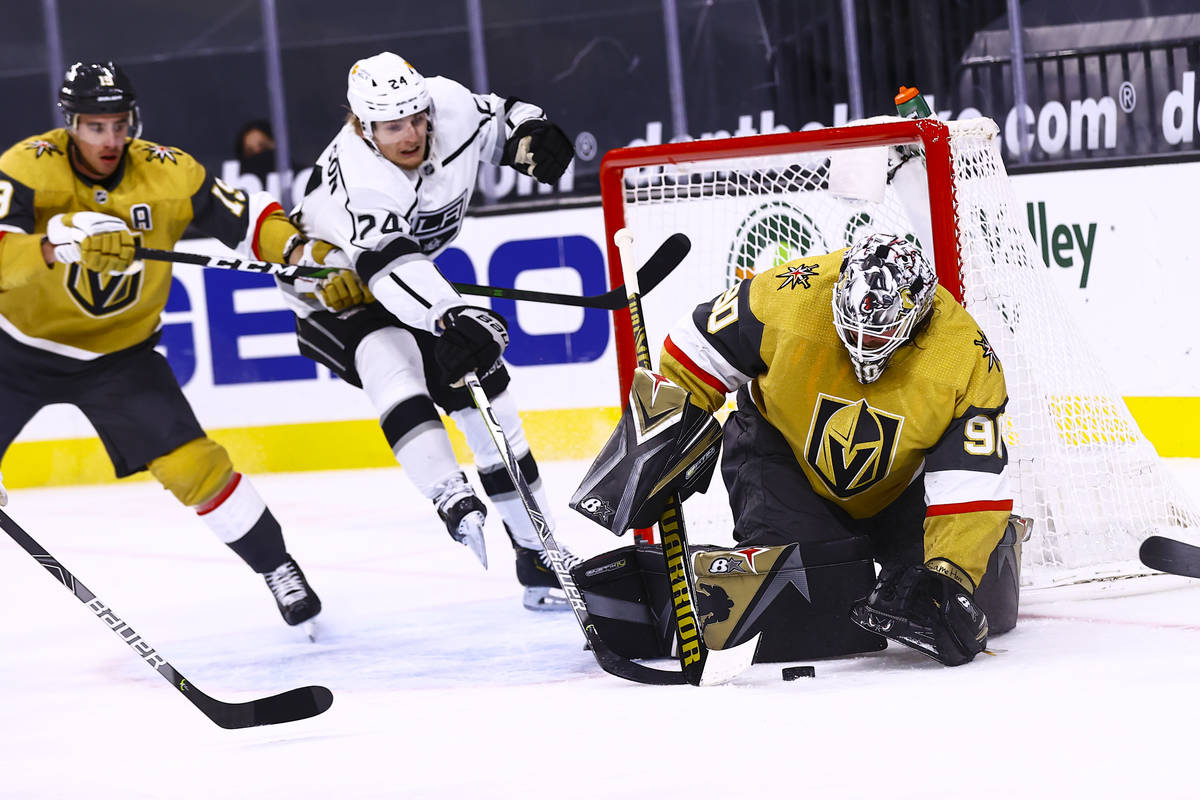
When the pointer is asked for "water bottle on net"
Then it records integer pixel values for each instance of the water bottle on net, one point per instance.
(910, 103)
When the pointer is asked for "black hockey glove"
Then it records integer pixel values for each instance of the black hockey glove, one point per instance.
(925, 610)
(539, 148)
(472, 340)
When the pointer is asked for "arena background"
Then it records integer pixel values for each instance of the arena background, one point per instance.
(1100, 133)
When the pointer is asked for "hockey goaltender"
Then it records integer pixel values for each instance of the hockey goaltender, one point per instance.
(867, 431)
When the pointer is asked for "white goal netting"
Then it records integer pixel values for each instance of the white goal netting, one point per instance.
(1078, 464)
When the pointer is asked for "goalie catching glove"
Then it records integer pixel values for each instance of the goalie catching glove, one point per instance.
(662, 444)
(926, 609)
(99, 242)
(472, 340)
(539, 148)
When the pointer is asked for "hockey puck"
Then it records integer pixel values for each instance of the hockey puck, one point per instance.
(791, 673)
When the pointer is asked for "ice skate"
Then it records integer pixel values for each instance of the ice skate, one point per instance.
(297, 602)
(463, 512)
(542, 590)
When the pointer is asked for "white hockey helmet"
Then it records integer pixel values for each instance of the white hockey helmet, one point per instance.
(883, 292)
(385, 87)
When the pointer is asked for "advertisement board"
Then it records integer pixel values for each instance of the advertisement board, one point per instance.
(1114, 241)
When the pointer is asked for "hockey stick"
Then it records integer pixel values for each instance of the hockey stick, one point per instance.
(1170, 555)
(699, 665)
(289, 706)
(650, 276)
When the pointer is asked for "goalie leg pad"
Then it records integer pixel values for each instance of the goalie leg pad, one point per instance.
(999, 591)
(797, 604)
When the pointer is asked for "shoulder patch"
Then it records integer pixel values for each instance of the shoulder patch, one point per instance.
(43, 147)
(157, 151)
(797, 275)
(988, 352)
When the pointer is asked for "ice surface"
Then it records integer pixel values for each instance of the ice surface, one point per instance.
(446, 687)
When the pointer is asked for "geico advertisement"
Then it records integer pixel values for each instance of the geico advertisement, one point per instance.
(232, 343)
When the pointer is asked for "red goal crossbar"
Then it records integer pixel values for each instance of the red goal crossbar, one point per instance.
(932, 134)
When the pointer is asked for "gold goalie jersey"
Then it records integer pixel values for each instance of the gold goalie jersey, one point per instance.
(936, 407)
(157, 191)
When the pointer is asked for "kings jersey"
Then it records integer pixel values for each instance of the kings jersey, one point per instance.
(158, 191)
(935, 409)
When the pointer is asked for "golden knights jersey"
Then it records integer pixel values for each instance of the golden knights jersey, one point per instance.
(157, 191)
(361, 202)
(935, 408)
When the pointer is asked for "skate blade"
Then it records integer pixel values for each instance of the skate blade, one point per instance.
(470, 534)
(543, 598)
(310, 629)
(476, 545)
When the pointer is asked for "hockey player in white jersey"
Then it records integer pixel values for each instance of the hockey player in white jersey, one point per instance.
(390, 192)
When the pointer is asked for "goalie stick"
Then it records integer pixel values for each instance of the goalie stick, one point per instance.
(650, 276)
(609, 661)
(700, 666)
(666, 258)
(296, 704)
(1171, 555)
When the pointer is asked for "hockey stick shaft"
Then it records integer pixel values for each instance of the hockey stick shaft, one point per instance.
(694, 654)
(289, 706)
(608, 660)
(611, 300)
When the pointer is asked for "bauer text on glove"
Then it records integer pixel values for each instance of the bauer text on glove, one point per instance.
(472, 340)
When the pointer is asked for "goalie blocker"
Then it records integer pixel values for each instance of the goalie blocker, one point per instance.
(662, 444)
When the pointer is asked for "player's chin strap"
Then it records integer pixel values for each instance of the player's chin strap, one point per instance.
(699, 665)
(649, 276)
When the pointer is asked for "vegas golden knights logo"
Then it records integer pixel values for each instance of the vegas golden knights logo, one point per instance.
(102, 295)
(850, 444)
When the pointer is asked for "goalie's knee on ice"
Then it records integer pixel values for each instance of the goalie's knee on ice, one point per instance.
(797, 596)
(193, 472)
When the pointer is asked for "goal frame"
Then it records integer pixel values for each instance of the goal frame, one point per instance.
(933, 134)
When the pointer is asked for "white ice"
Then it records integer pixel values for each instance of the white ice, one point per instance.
(446, 687)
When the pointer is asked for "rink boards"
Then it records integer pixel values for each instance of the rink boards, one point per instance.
(1114, 240)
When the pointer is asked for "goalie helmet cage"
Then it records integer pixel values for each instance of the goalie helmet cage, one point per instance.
(1078, 463)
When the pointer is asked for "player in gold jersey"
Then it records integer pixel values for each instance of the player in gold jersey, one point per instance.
(899, 442)
(79, 317)
(867, 428)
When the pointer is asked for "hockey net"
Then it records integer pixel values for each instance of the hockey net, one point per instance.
(1078, 464)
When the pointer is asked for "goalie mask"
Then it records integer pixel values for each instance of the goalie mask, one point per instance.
(884, 291)
(662, 444)
(385, 87)
(98, 89)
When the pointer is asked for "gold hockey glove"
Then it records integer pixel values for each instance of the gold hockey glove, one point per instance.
(344, 290)
(100, 242)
